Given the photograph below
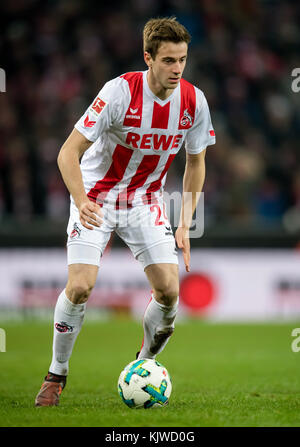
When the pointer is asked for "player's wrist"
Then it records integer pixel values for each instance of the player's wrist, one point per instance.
(81, 201)
(184, 225)
(184, 229)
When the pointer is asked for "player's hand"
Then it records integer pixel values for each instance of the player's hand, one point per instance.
(183, 241)
(90, 214)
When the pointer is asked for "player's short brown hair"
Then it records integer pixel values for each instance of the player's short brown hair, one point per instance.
(166, 29)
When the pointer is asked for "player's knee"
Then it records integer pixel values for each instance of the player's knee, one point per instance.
(78, 291)
(169, 299)
(167, 294)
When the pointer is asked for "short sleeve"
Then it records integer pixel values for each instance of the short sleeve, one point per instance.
(100, 114)
(202, 133)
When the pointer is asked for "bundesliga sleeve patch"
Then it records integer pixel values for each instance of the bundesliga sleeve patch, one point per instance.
(98, 105)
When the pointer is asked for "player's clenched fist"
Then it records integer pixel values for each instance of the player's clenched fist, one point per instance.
(90, 214)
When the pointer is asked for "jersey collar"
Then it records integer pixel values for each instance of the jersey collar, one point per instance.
(153, 96)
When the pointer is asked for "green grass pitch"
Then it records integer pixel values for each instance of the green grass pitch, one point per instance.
(224, 375)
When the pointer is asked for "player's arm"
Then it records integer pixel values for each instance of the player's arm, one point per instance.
(68, 161)
(193, 181)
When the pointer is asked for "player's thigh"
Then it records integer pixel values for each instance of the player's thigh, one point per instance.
(164, 280)
(81, 280)
(84, 251)
(140, 228)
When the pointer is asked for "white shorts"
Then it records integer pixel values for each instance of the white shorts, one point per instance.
(145, 230)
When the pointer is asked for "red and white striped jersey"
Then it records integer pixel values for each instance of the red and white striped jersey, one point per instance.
(136, 136)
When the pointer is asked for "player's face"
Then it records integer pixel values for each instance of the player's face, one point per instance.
(167, 68)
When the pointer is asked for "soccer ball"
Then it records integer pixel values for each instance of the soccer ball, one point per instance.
(145, 383)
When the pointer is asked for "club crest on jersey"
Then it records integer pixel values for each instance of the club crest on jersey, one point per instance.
(75, 232)
(186, 119)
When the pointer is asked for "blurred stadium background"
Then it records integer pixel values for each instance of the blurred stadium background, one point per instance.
(58, 54)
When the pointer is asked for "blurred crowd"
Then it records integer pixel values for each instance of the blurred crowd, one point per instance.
(57, 54)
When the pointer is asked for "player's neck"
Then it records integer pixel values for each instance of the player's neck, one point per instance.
(156, 88)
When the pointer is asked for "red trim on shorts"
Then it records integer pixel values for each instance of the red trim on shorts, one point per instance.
(160, 116)
(120, 159)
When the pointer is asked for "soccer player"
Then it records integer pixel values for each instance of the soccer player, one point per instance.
(114, 164)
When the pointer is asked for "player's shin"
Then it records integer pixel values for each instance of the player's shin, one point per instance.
(159, 323)
(68, 319)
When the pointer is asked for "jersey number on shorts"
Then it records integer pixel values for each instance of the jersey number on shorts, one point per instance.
(157, 209)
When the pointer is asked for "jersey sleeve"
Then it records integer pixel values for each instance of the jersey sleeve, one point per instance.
(100, 115)
(202, 133)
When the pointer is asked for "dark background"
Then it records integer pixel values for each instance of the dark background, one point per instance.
(57, 55)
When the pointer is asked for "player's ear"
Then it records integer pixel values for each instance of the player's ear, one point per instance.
(147, 58)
